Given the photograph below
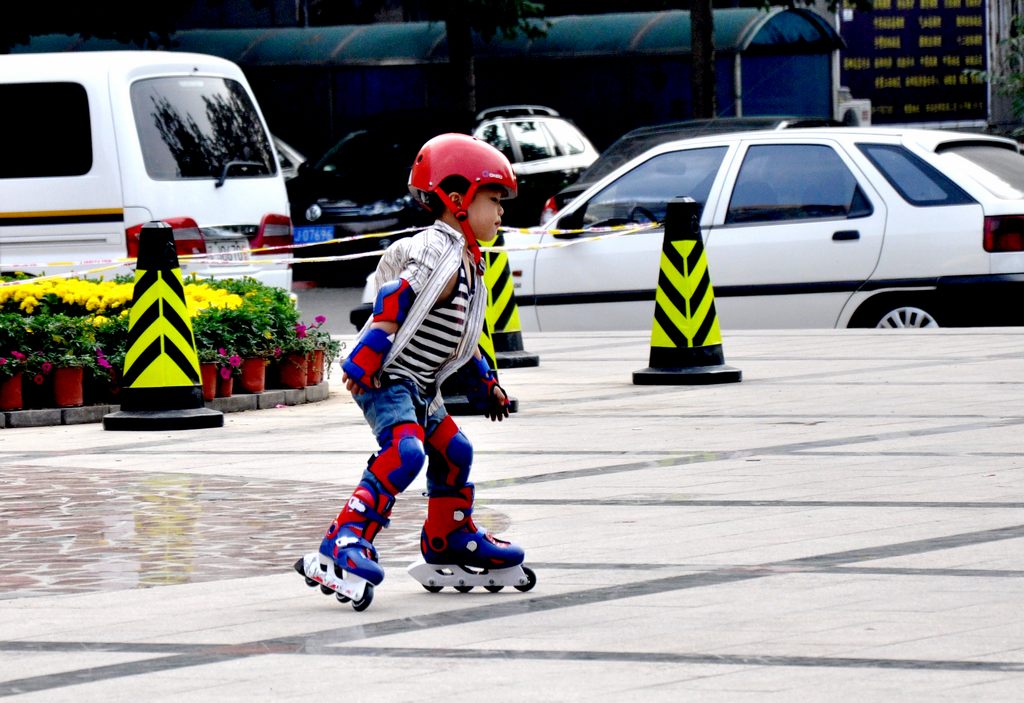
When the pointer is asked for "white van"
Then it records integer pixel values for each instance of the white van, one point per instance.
(95, 144)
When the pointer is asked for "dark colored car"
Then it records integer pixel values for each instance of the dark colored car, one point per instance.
(359, 186)
(547, 151)
(639, 140)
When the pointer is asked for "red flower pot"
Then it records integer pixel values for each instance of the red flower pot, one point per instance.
(315, 367)
(225, 386)
(67, 386)
(254, 375)
(10, 393)
(291, 370)
(209, 374)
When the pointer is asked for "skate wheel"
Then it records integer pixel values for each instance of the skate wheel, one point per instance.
(463, 589)
(342, 598)
(531, 582)
(433, 589)
(494, 589)
(325, 590)
(364, 602)
(310, 582)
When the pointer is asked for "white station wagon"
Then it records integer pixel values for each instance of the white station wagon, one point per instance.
(833, 227)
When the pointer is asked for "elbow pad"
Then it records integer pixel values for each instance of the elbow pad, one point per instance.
(393, 301)
(366, 358)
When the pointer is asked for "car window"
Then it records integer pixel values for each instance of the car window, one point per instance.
(567, 139)
(640, 195)
(918, 182)
(532, 140)
(192, 127)
(51, 139)
(998, 169)
(782, 182)
(494, 134)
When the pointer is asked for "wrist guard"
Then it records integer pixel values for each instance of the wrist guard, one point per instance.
(367, 356)
(481, 391)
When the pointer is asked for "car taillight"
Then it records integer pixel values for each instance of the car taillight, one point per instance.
(1004, 233)
(275, 231)
(549, 211)
(188, 238)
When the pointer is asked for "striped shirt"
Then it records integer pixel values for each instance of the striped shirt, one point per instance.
(435, 341)
(428, 261)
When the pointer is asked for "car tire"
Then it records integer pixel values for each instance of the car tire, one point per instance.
(897, 313)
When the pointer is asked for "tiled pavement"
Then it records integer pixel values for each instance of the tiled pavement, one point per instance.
(845, 524)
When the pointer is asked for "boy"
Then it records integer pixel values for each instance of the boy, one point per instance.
(425, 326)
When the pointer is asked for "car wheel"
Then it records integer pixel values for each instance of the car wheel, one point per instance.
(898, 312)
(907, 316)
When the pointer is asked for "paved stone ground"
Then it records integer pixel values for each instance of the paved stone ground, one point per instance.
(845, 524)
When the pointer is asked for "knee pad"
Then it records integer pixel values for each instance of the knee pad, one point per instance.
(400, 459)
(451, 456)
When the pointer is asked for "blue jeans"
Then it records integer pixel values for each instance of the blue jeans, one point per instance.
(396, 403)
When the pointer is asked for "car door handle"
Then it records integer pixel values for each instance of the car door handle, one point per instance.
(845, 235)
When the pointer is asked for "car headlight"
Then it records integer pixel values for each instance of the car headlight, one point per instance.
(313, 212)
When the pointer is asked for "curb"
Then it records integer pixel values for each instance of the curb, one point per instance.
(241, 402)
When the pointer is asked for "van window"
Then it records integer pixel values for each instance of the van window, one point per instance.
(44, 130)
(194, 127)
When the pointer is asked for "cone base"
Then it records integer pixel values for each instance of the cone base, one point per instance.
(188, 419)
(460, 405)
(516, 359)
(692, 376)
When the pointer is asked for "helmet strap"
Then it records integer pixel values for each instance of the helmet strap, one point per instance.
(462, 216)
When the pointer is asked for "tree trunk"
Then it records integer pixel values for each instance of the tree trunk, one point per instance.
(460, 57)
(702, 41)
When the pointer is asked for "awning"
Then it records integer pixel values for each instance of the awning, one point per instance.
(637, 33)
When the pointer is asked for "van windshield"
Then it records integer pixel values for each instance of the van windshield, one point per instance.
(199, 127)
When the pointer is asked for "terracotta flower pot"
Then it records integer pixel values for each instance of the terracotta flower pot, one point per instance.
(225, 385)
(291, 369)
(10, 392)
(209, 375)
(315, 367)
(254, 375)
(68, 390)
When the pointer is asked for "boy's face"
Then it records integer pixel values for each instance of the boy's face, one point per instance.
(485, 213)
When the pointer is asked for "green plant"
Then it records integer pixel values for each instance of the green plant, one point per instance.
(263, 322)
(61, 340)
(13, 346)
(321, 339)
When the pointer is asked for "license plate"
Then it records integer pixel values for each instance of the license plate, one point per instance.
(312, 235)
(232, 250)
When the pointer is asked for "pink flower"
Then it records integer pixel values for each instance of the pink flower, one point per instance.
(320, 319)
(102, 361)
(225, 372)
(300, 331)
(277, 352)
(235, 361)
(17, 355)
(46, 367)
(38, 379)
(2, 361)
(222, 351)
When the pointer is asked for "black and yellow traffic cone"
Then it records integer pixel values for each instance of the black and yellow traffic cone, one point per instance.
(502, 311)
(161, 388)
(686, 343)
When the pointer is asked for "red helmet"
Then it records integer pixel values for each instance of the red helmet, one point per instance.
(459, 155)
